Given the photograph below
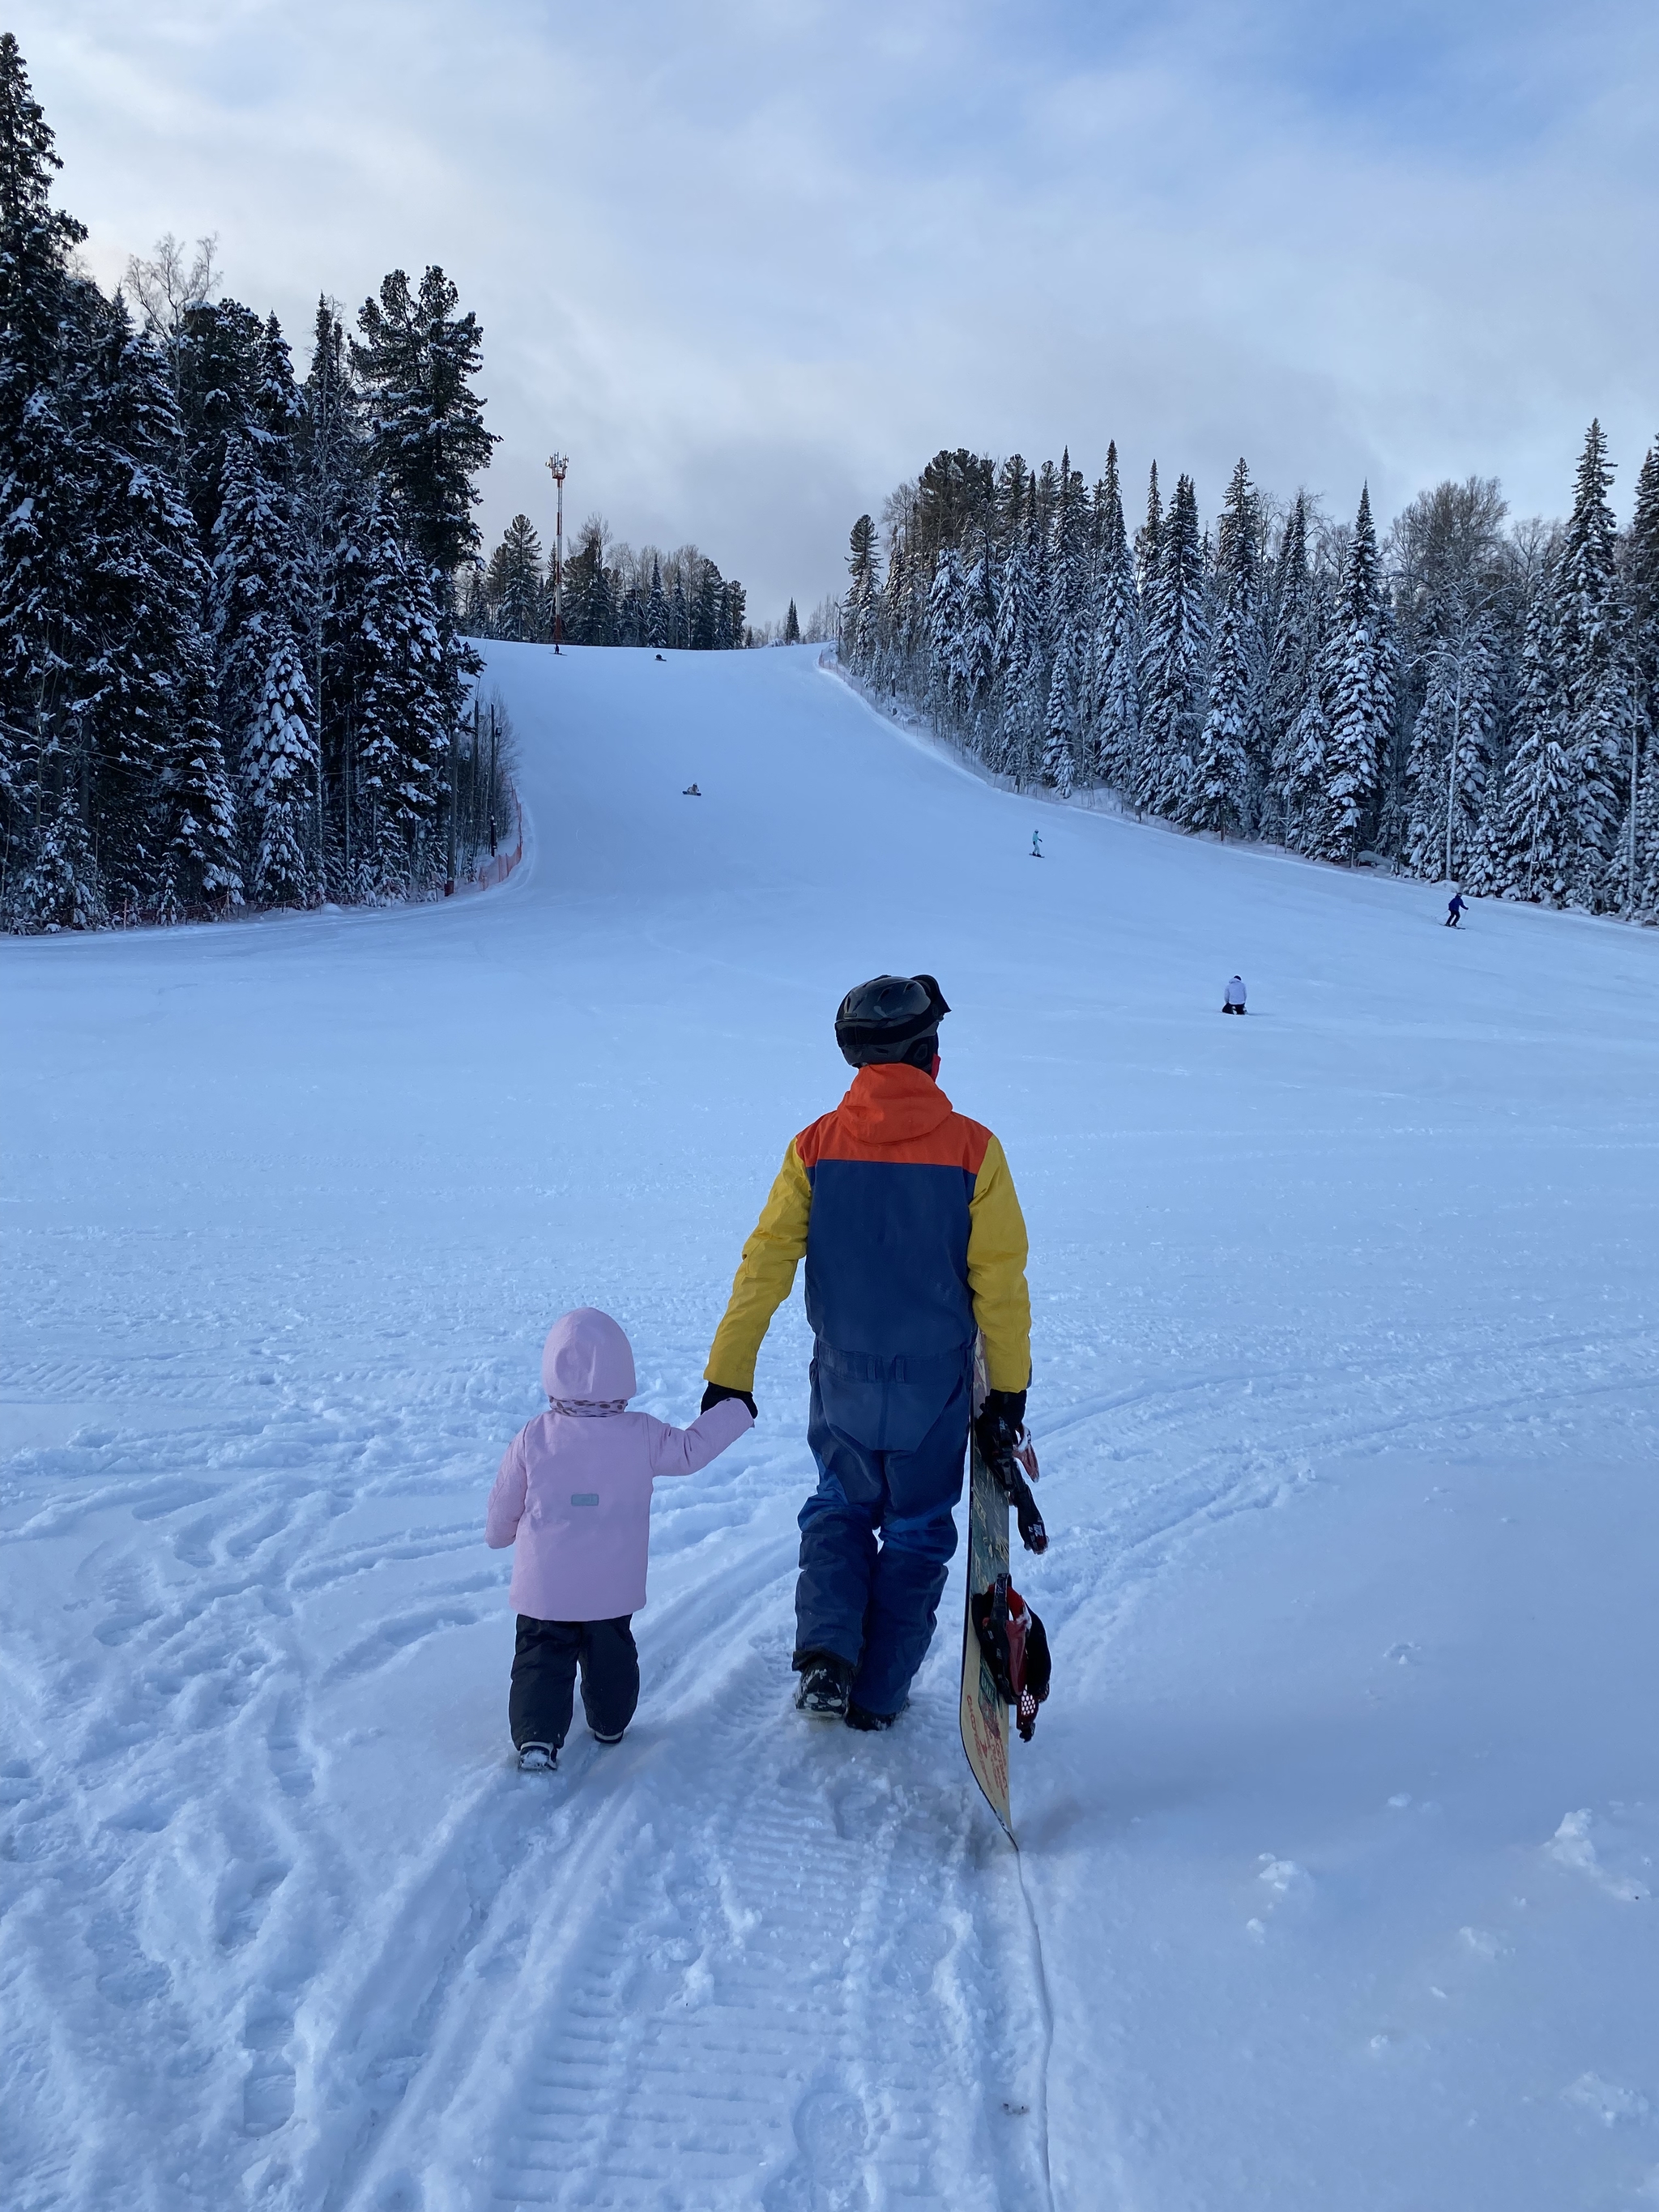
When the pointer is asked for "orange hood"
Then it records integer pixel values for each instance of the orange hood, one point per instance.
(892, 1103)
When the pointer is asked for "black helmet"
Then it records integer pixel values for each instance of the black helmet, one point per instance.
(891, 1017)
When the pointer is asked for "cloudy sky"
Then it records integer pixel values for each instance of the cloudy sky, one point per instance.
(751, 261)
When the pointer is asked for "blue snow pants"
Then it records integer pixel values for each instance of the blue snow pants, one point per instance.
(889, 1437)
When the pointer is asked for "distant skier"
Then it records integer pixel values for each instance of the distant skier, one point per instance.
(1233, 1002)
(1453, 909)
(574, 1499)
(1037, 844)
(690, 792)
(659, 656)
(906, 1215)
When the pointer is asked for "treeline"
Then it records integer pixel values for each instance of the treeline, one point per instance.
(612, 595)
(1467, 699)
(230, 668)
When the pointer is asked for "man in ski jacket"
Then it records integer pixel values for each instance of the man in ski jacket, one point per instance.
(906, 1215)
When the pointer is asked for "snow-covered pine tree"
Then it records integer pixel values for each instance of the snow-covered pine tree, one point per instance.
(40, 616)
(1534, 834)
(517, 590)
(1452, 576)
(656, 609)
(61, 888)
(416, 359)
(944, 686)
(1148, 542)
(706, 608)
(1173, 659)
(1114, 697)
(1358, 688)
(279, 783)
(1216, 796)
(1596, 688)
(1453, 740)
(218, 366)
(976, 648)
(148, 710)
(860, 623)
(1225, 790)
(1639, 842)
(679, 614)
(1017, 743)
(1291, 675)
(278, 404)
(1058, 762)
(255, 593)
(1070, 558)
(1306, 752)
(332, 498)
(400, 739)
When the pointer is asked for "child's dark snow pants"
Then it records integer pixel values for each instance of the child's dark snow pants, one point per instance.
(873, 1605)
(545, 1662)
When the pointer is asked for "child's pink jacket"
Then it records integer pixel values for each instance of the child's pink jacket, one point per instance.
(573, 1491)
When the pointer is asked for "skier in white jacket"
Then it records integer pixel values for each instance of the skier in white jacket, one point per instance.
(1233, 1003)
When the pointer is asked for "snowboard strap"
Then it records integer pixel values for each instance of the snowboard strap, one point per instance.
(1012, 1462)
(1016, 1647)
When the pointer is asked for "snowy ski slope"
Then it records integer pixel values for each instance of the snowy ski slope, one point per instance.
(1336, 1892)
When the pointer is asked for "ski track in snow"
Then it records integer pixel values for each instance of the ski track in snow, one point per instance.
(279, 1924)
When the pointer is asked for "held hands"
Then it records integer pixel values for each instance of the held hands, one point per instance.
(716, 1391)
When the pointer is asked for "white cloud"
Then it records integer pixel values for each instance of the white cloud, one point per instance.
(750, 264)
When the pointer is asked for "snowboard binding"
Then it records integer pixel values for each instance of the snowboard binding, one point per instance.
(1016, 1647)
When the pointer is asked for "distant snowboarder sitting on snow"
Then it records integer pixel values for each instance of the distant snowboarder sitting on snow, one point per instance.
(690, 792)
(1037, 844)
(905, 1213)
(574, 1499)
(1453, 909)
(1233, 1002)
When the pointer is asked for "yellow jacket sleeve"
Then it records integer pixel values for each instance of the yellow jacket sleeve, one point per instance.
(765, 1275)
(996, 1273)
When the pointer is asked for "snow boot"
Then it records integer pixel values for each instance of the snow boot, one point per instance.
(860, 1717)
(537, 1757)
(597, 1738)
(825, 1682)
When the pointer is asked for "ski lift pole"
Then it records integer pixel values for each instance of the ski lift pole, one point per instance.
(557, 464)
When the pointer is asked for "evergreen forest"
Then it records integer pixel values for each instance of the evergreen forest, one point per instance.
(230, 668)
(1463, 698)
(612, 595)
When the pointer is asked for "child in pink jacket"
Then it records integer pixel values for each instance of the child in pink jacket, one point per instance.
(574, 1498)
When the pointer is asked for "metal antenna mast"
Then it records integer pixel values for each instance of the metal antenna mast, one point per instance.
(557, 466)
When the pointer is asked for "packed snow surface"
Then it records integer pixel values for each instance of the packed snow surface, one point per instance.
(1338, 1831)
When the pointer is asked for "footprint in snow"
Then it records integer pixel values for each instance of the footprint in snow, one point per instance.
(832, 2136)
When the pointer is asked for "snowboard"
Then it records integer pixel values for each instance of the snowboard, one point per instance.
(984, 1714)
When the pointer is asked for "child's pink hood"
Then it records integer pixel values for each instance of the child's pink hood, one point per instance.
(573, 1493)
(587, 1356)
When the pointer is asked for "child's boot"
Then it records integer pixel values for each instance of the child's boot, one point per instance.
(824, 1681)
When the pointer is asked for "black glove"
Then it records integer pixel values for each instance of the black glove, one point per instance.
(997, 1422)
(716, 1391)
(998, 1427)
